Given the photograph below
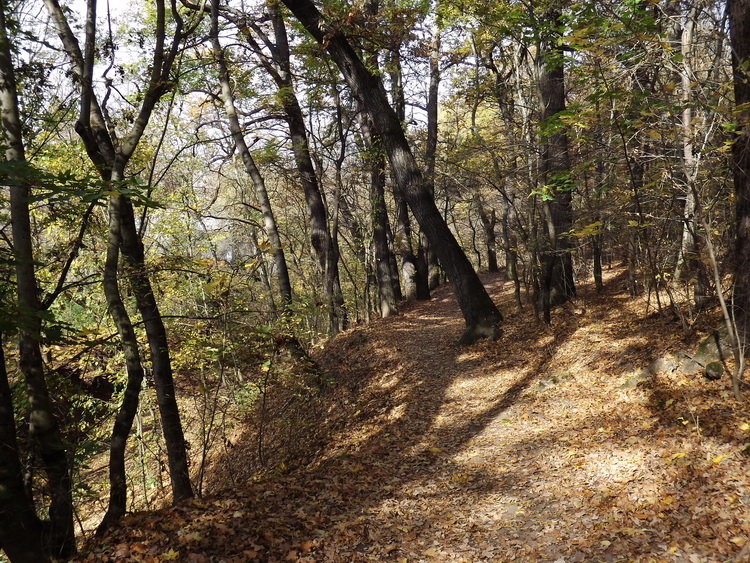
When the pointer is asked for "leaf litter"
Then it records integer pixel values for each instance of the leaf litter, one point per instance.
(538, 447)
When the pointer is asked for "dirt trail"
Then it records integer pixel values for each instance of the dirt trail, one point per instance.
(544, 446)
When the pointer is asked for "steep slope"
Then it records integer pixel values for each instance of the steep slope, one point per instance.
(551, 444)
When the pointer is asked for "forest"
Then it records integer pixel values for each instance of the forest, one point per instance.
(250, 246)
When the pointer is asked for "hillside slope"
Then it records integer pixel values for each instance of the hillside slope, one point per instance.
(548, 445)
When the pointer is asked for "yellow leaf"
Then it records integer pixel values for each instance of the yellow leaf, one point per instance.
(192, 536)
(745, 426)
(677, 456)
(718, 458)
(739, 540)
(170, 555)
(434, 450)
(431, 552)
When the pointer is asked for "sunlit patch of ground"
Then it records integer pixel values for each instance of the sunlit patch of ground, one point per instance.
(544, 446)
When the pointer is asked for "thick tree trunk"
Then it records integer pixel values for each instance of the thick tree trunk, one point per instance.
(20, 528)
(557, 267)
(43, 426)
(739, 26)
(480, 314)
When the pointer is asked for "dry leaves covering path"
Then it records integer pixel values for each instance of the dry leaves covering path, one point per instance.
(543, 446)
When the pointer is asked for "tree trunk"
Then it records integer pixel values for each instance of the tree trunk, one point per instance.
(433, 268)
(269, 221)
(118, 492)
(488, 226)
(320, 235)
(557, 266)
(43, 426)
(739, 26)
(111, 159)
(420, 262)
(403, 248)
(480, 314)
(379, 214)
(20, 528)
(161, 364)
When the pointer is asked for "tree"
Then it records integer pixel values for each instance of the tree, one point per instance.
(110, 154)
(480, 313)
(557, 265)
(43, 426)
(322, 238)
(739, 27)
(269, 220)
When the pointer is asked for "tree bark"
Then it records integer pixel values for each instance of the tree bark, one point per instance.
(320, 235)
(20, 528)
(43, 426)
(739, 28)
(480, 314)
(433, 90)
(557, 267)
(118, 492)
(379, 214)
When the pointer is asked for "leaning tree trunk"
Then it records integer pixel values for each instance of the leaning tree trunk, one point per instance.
(269, 220)
(557, 266)
(43, 426)
(320, 234)
(480, 314)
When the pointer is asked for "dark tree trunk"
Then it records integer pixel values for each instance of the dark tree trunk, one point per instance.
(488, 226)
(379, 214)
(420, 262)
(43, 426)
(511, 255)
(433, 268)
(161, 364)
(20, 528)
(557, 268)
(480, 314)
(739, 26)
(118, 493)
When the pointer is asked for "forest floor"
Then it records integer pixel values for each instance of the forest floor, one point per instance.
(550, 444)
